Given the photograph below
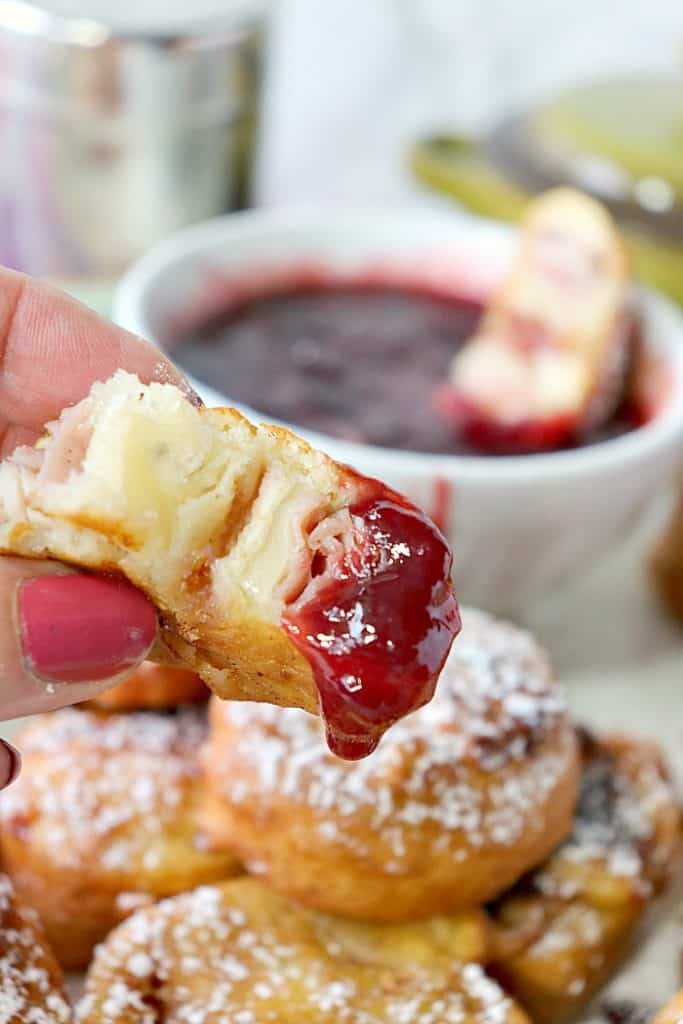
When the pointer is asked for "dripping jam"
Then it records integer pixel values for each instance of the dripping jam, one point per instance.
(378, 629)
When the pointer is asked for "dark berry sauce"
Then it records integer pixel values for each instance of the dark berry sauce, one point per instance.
(362, 361)
(377, 631)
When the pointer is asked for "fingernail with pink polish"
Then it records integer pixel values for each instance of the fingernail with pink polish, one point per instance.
(10, 759)
(79, 628)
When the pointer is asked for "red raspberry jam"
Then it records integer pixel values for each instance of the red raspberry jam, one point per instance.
(378, 629)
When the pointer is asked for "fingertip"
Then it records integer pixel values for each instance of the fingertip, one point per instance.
(73, 348)
(10, 763)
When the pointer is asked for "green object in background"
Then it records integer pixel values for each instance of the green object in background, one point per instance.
(620, 140)
(636, 122)
(457, 166)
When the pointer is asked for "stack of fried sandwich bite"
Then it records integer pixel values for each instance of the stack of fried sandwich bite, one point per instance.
(489, 863)
(102, 818)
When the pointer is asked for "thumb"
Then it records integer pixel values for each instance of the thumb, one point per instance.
(65, 636)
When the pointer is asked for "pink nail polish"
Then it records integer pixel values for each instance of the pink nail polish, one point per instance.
(12, 764)
(79, 628)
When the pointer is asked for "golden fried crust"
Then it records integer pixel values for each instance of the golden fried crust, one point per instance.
(672, 1012)
(153, 686)
(257, 661)
(103, 820)
(459, 801)
(31, 989)
(589, 898)
(240, 953)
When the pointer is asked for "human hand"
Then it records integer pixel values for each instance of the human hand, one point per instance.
(64, 635)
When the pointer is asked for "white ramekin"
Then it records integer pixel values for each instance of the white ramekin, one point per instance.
(518, 525)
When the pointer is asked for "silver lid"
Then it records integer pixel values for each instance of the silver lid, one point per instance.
(132, 61)
(115, 133)
(87, 23)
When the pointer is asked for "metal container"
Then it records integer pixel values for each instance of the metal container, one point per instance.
(113, 135)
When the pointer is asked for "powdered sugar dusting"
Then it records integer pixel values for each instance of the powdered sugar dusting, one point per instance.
(173, 733)
(29, 980)
(612, 818)
(496, 706)
(90, 778)
(591, 894)
(239, 953)
(624, 795)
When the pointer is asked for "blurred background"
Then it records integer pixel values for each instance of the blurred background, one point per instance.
(351, 85)
(122, 122)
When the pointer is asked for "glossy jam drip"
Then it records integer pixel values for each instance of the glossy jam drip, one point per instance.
(378, 628)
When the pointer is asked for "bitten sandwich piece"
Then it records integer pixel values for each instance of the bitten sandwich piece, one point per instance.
(549, 360)
(279, 575)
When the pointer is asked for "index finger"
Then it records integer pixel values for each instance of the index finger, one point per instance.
(52, 349)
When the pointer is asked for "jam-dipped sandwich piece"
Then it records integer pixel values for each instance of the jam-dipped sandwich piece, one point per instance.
(549, 360)
(279, 575)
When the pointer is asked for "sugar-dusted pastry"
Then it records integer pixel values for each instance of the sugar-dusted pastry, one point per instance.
(153, 686)
(555, 939)
(279, 575)
(242, 954)
(31, 984)
(589, 898)
(667, 562)
(459, 801)
(102, 820)
(549, 359)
